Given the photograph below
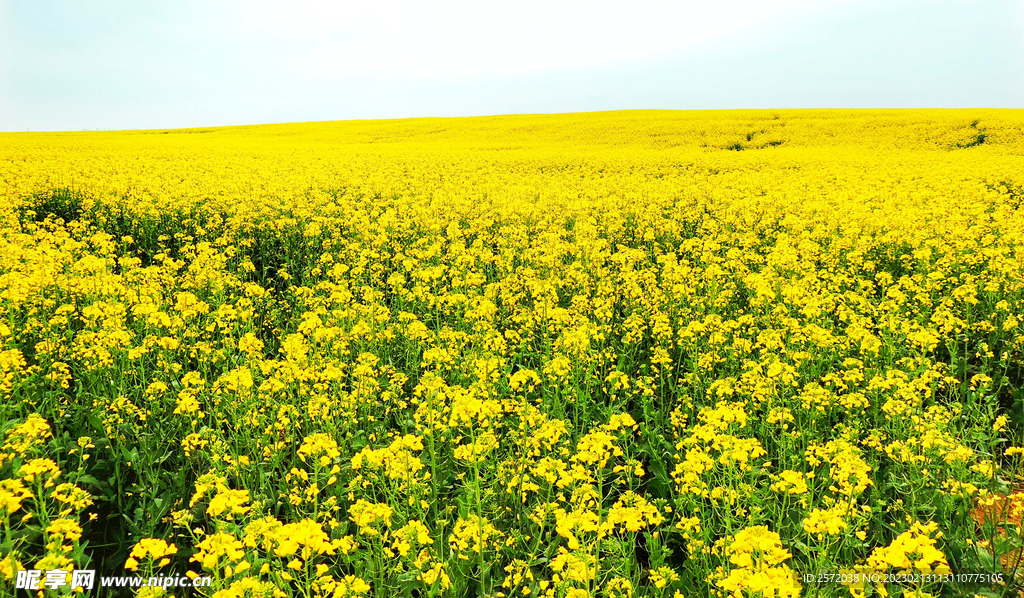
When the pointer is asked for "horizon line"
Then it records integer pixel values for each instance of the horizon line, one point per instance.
(499, 115)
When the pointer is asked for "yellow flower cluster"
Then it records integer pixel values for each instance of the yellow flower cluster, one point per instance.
(153, 548)
(914, 550)
(41, 517)
(758, 558)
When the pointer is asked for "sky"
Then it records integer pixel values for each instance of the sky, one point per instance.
(103, 64)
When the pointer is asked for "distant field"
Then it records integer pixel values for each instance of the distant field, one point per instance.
(617, 354)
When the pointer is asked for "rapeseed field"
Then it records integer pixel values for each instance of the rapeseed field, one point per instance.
(620, 354)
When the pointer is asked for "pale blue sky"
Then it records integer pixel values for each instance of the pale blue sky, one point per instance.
(103, 64)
